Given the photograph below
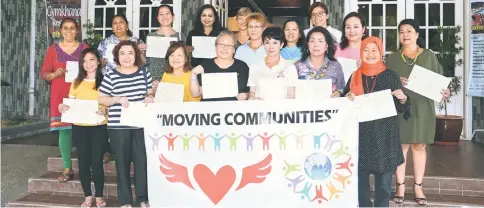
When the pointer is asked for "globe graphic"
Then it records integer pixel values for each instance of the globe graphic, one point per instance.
(317, 166)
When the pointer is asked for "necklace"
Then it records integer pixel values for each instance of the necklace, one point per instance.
(409, 62)
(319, 74)
(372, 88)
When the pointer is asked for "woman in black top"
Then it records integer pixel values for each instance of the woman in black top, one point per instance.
(380, 151)
(207, 24)
(223, 63)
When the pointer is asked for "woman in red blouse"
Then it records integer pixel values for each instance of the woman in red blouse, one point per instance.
(53, 70)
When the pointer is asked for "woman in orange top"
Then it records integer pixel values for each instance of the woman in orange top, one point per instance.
(380, 151)
(178, 70)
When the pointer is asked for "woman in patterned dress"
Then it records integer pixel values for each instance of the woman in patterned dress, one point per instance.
(380, 152)
(53, 70)
(318, 62)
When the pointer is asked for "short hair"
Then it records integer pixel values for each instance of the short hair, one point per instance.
(244, 11)
(257, 17)
(224, 33)
(273, 33)
(327, 37)
(175, 45)
(138, 61)
(316, 5)
(300, 41)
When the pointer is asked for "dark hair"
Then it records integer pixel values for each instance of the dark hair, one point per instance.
(127, 23)
(344, 40)
(328, 38)
(82, 73)
(138, 61)
(68, 19)
(216, 23)
(300, 41)
(273, 33)
(415, 26)
(175, 45)
(316, 5)
(167, 6)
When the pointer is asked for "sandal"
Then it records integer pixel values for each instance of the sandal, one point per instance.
(399, 199)
(107, 157)
(420, 200)
(66, 176)
(87, 202)
(100, 202)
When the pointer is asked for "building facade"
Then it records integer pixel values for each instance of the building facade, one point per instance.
(382, 18)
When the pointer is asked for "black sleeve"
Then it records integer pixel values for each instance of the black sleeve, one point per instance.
(189, 38)
(346, 90)
(243, 70)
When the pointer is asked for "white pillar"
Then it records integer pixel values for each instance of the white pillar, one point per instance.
(466, 28)
(32, 59)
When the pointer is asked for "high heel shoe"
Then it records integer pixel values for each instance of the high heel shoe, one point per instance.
(399, 199)
(420, 200)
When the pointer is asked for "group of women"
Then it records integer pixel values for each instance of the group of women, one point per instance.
(256, 53)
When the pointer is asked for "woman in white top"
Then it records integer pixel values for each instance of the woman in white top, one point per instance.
(274, 71)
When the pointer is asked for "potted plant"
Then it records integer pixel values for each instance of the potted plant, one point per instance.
(92, 38)
(449, 127)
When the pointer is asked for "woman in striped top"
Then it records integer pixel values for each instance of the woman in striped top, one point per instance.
(128, 83)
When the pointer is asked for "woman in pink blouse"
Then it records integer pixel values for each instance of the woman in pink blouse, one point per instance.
(354, 27)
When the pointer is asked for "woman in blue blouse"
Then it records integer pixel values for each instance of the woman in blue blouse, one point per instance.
(294, 39)
(318, 62)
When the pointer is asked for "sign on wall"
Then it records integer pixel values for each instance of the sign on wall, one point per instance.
(252, 154)
(476, 75)
(58, 10)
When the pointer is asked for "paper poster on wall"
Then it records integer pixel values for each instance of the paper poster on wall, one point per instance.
(252, 154)
(58, 10)
(476, 76)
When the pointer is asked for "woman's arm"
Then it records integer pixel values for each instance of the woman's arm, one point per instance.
(195, 89)
(47, 72)
(340, 80)
(108, 100)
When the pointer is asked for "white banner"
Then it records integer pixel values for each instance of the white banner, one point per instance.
(252, 154)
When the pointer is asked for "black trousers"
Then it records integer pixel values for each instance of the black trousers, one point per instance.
(129, 146)
(89, 142)
(383, 189)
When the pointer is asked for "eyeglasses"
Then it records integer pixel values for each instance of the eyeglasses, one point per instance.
(319, 14)
(255, 27)
(224, 46)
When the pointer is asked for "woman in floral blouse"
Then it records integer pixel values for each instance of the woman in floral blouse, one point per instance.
(318, 62)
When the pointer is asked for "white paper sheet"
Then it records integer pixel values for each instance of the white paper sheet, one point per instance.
(133, 115)
(427, 83)
(157, 46)
(219, 85)
(169, 92)
(80, 111)
(203, 47)
(314, 89)
(349, 66)
(375, 106)
(109, 53)
(72, 68)
(272, 89)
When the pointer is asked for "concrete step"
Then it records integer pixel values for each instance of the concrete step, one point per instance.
(56, 164)
(51, 200)
(437, 200)
(48, 184)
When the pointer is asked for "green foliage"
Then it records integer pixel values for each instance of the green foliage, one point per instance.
(447, 50)
(92, 38)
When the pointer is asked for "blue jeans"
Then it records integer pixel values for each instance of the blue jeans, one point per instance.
(383, 189)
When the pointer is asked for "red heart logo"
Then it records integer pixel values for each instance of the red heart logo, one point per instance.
(215, 186)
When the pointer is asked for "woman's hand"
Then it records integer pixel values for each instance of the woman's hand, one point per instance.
(123, 101)
(155, 85)
(142, 46)
(60, 71)
(101, 111)
(190, 49)
(149, 99)
(242, 96)
(335, 94)
(197, 70)
(400, 96)
(445, 94)
(404, 81)
(63, 108)
(351, 96)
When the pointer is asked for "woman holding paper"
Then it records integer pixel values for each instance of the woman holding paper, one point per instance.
(88, 138)
(223, 63)
(54, 69)
(207, 25)
(293, 41)
(127, 142)
(165, 18)
(420, 130)
(275, 68)
(178, 70)
(380, 151)
(318, 62)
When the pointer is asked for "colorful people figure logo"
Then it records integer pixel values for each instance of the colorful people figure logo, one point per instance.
(216, 140)
(201, 142)
(171, 141)
(186, 141)
(300, 140)
(265, 141)
(290, 168)
(155, 139)
(317, 140)
(250, 141)
(282, 140)
(330, 142)
(233, 141)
